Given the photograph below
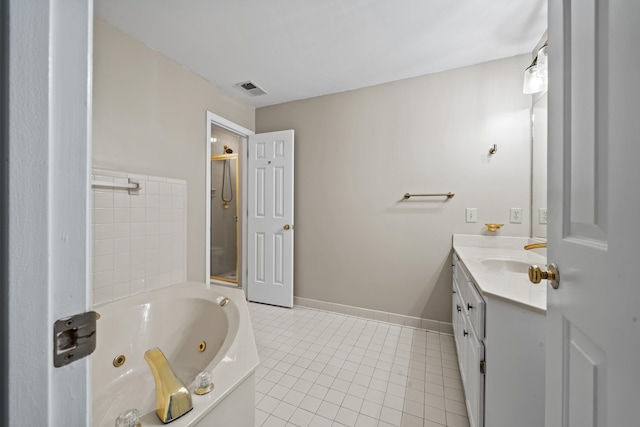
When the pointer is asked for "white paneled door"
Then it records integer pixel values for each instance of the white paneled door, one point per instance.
(593, 317)
(45, 174)
(270, 218)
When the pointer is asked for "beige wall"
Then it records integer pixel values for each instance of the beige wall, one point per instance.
(357, 243)
(357, 152)
(149, 117)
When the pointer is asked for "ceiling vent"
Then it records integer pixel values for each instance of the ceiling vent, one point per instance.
(251, 88)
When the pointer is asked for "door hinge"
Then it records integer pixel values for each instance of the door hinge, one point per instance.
(483, 367)
(74, 337)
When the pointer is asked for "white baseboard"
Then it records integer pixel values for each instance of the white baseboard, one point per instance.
(365, 313)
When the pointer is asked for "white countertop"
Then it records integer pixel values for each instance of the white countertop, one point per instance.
(510, 286)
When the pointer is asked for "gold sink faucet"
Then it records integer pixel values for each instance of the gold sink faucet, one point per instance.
(173, 399)
(535, 246)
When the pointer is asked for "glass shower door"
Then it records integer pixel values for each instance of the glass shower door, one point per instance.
(224, 217)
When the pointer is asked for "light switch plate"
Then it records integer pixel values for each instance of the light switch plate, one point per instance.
(516, 216)
(472, 214)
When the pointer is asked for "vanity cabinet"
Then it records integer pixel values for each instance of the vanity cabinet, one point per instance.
(501, 355)
(468, 328)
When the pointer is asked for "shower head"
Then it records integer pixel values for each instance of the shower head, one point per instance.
(228, 149)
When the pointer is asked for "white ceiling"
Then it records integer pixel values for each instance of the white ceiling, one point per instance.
(296, 49)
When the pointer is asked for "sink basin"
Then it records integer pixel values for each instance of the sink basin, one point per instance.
(506, 265)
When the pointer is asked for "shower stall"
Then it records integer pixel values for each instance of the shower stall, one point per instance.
(224, 216)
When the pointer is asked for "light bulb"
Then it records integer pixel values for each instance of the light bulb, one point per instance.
(543, 62)
(533, 83)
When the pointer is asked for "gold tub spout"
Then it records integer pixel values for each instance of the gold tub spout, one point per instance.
(173, 399)
(535, 246)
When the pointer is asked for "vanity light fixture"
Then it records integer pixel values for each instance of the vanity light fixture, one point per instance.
(535, 76)
(543, 60)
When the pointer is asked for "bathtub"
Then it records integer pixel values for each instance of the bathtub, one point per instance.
(176, 319)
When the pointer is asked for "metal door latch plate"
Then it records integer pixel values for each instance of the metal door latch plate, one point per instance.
(74, 337)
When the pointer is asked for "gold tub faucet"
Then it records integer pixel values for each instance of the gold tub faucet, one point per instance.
(535, 246)
(173, 399)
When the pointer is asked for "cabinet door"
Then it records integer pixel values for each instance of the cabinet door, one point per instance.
(474, 385)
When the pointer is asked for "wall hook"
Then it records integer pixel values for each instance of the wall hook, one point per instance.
(494, 149)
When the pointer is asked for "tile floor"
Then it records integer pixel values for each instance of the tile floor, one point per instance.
(328, 369)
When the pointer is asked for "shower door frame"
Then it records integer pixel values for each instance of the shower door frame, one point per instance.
(218, 158)
(244, 133)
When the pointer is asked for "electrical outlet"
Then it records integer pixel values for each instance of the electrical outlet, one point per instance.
(472, 214)
(516, 216)
(542, 215)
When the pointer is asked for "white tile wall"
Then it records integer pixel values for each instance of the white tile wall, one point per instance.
(139, 241)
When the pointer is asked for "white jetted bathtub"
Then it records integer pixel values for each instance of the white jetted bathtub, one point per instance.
(177, 319)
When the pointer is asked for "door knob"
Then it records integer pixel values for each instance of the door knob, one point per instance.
(286, 227)
(536, 275)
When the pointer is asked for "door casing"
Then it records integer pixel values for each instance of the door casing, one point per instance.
(219, 121)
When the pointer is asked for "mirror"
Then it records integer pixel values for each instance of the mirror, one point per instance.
(539, 167)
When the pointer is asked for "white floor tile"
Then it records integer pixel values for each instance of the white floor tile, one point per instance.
(366, 421)
(294, 397)
(391, 416)
(413, 408)
(334, 396)
(261, 417)
(455, 407)
(310, 403)
(328, 410)
(318, 421)
(393, 402)
(284, 411)
(352, 402)
(371, 409)
(278, 392)
(341, 385)
(357, 390)
(273, 421)
(301, 417)
(347, 417)
(455, 420)
(434, 414)
(409, 420)
(328, 369)
(433, 400)
(268, 404)
(454, 394)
